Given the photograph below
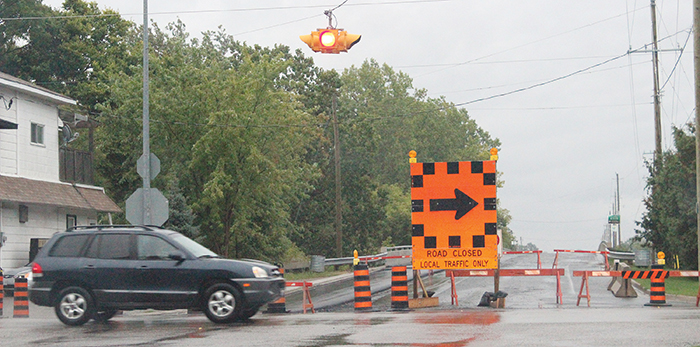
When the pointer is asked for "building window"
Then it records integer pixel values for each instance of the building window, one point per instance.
(71, 221)
(23, 213)
(37, 134)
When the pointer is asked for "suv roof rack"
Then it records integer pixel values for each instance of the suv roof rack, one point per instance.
(103, 227)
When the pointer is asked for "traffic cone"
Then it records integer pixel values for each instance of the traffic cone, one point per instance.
(363, 294)
(399, 289)
(21, 309)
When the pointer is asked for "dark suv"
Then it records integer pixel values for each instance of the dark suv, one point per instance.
(93, 271)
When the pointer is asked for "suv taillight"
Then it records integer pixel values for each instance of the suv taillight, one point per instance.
(37, 271)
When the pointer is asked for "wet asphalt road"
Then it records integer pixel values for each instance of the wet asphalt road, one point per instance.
(531, 318)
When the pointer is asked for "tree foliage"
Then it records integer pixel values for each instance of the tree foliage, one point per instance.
(670, 224)
(73, 56)
(245, 133)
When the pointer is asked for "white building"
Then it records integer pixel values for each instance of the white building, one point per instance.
(34, 202)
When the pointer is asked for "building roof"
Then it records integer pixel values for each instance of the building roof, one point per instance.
(28, 87)
(27, 191)
(4, 124)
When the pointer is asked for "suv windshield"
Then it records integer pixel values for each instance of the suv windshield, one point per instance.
(193, 247)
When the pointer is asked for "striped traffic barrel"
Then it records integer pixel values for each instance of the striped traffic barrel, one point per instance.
(657, 292)
(21, 309)
(399, 288)
(363, 294)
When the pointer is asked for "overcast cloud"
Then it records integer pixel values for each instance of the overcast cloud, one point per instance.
(564, 141)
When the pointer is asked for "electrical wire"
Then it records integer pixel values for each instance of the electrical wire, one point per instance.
(542, 83)
(529, 43)
(557, 78)
(690, 32)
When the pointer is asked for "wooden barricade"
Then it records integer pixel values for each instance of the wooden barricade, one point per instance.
(657, 299)
(306, 296)
(505, 272)
(538, 252)
(557, 251)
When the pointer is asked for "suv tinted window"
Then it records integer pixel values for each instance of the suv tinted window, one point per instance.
(68, 246)
(110, 246)
(153, 248)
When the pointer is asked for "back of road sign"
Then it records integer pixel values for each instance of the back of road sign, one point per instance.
(453, 213)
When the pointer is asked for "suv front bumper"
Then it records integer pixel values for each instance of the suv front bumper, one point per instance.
(260, 291)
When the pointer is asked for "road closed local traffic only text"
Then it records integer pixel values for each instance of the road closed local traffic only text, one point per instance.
(475, 258)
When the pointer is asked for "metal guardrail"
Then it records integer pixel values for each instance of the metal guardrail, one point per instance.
(348, 260)
(621, 255)
(368, 258)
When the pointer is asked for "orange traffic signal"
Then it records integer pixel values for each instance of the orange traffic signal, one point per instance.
(330, 40)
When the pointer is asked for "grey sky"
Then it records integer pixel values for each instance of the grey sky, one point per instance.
(563, 141)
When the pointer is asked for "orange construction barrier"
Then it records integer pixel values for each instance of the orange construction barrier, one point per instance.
(656, 275)
(399, 288)
(556, 256)
(363, 294)
(306, 295)
(505, 272)
(21, 309)
(538, 252)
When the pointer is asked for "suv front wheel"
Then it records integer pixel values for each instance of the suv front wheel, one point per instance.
(222, 303)
(74, 306)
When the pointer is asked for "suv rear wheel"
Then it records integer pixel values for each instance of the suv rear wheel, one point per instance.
(222, 303)
(74, 306)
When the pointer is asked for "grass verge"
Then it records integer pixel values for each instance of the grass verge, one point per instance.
(674, 285)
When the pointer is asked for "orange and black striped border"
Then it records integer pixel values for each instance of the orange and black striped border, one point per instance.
(647, 274)
(363, 294)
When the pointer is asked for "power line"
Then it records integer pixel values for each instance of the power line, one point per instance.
(690, 32)
(554, 107)
(524, 82)
(532, 42)
(501, 62)
(542, 83)
(558, 78)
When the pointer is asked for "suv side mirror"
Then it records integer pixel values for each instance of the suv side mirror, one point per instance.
(177, 255)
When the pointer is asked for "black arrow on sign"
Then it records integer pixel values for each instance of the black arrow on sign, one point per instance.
(462, 204)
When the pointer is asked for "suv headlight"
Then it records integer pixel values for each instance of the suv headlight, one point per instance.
(259, 272)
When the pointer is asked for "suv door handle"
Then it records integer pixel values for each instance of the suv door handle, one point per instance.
(89, 267)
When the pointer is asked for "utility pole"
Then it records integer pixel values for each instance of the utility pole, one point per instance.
(617, 210)
(146, 123)
(338, 195)
(657, 92)
(696, 59)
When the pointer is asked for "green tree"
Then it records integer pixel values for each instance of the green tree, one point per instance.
(73, 54)
(670, 225)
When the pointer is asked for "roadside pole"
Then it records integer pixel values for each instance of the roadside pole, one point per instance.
(696, 37)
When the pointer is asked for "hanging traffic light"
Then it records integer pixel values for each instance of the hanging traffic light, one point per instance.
(330, 40)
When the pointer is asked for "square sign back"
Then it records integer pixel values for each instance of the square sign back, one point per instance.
(453, 215)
